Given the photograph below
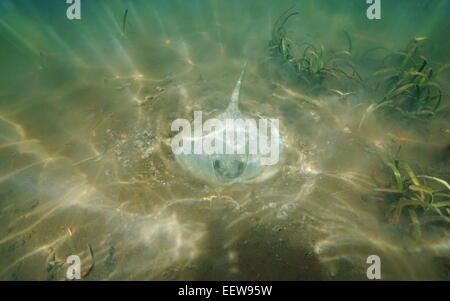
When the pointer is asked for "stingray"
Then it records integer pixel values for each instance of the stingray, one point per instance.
(229, 168)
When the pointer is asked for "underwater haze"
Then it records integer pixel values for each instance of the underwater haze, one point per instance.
(87, 169)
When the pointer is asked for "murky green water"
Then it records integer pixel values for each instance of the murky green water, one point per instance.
(85, 159)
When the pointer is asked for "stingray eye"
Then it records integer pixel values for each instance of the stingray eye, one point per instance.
(240, 167)
(229, 170)
(216, 164)
(221, 170)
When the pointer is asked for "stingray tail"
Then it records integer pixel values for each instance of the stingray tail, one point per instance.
(233, 106)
